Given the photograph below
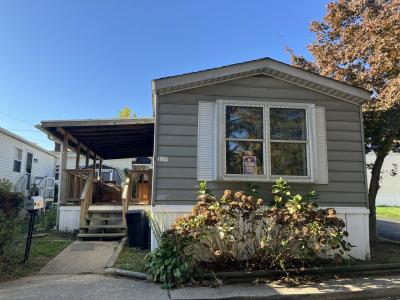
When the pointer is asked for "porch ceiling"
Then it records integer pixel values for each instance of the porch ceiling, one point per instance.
(109, 139)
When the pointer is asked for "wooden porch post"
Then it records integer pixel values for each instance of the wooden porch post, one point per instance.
(94, 166)
(78, 156)
(64, 179)
(87, 160)
(77, 182)
(100, 167)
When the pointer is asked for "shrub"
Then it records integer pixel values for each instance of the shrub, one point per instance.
(239, 228)
(237, 231)
(10, 206)
(168, 264)
(46, 222)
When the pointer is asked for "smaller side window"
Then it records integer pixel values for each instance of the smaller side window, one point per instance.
(17, 160)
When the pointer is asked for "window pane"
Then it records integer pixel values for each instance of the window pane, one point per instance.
(244, 158)
(17, 166)
(243, 122)
(18, 154)
(288, 159)
(288, 124)
(106, 175)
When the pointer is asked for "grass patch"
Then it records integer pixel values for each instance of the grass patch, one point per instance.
(388, 212)
(131, 259)
(43, 249)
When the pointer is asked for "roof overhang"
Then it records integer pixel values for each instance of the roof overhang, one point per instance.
(107, 138)
(265, 66)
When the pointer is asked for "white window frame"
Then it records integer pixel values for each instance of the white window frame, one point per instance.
(267, 177)
(16, 150)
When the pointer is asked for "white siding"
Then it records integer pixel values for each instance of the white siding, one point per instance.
(389, 193)
(45, 165)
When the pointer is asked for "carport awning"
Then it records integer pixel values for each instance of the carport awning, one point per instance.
(109, 139)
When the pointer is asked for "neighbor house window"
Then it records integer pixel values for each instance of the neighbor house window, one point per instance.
(57, 173)
(266, 140)
(17, 160)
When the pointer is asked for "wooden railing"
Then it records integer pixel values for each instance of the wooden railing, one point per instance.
(76, 180)
(126, 197)
(143, 189)
(86, 198)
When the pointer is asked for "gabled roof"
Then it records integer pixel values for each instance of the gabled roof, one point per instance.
(22, 140)
(265, 66)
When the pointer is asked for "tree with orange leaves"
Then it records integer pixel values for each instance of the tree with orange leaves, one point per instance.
(358, 42)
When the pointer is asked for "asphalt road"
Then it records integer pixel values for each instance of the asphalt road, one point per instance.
(86, 286)
(388, 230)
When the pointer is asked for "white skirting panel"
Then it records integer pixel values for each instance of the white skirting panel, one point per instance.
(69, 218)
(166, 215)
(356, 219)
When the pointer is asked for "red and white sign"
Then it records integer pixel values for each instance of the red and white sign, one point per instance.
(250, 164)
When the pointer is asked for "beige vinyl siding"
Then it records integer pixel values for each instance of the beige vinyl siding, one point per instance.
(177, 138)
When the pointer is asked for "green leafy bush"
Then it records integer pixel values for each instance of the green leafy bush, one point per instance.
(239, 228)
(10, 206)
(46, 222)
(238, 232)
(169, 264)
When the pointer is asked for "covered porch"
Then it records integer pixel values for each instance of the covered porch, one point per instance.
(100, 203)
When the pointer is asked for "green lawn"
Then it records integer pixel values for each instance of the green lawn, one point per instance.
(131, 259)
(43, 248)
(388, 212)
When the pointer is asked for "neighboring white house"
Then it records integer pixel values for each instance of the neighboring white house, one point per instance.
(389, 192)
(25, 163)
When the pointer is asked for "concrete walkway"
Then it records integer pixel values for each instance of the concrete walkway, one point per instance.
(81, 257)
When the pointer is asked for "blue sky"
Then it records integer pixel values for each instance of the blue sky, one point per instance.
(76, 59)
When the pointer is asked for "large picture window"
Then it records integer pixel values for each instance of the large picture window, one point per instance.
(266, 140)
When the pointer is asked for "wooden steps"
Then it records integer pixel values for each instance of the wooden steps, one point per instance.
(105, 208)
(103, 226)
(101, 235)
(103, 221)
(99, 219)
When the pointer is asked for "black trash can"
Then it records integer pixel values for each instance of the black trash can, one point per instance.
(138, 229)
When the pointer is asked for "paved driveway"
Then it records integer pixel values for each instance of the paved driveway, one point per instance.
(84, 286)
(388, 229)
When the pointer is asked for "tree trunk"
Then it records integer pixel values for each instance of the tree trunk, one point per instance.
(373, 191)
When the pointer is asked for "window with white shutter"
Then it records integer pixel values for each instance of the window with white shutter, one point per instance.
(206, 154)
(261, 141)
